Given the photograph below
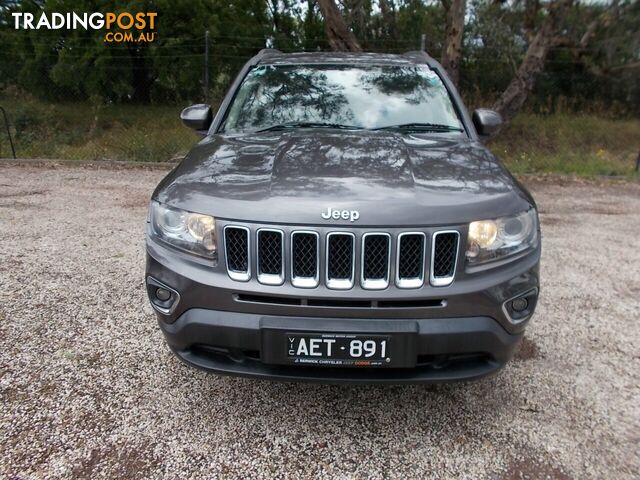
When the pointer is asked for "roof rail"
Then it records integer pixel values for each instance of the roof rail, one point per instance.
(261, 54)
(415, 53)
(265, 51)
(421, 54)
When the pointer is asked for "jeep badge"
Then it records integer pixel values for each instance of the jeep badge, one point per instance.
(351, 215)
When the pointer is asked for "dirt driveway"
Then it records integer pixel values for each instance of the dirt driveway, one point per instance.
(89, 390)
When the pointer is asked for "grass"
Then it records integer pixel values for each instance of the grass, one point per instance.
(77, 131)
(579, 144)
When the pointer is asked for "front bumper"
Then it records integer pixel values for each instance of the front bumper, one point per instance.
(446, 349)
(232, 327)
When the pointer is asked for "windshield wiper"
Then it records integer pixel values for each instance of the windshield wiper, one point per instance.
(284, 126)
(422, 127)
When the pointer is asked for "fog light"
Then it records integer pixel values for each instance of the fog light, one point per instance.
(163, 297)
(520, 304)
(163, 294)
(520, 308)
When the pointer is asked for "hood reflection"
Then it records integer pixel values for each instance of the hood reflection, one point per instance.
(289, 172)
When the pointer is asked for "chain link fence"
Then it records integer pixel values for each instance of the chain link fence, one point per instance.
(124, 104)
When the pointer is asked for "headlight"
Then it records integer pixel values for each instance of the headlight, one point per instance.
(191, 232)
(495, 239)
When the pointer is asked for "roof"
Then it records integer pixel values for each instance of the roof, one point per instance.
(275, 57)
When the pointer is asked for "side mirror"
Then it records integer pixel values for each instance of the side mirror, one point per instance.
(198, 117)
(487, 122)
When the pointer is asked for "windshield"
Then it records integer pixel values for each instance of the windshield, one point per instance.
(349, 96)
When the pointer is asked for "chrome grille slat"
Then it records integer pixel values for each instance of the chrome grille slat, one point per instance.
(340, 263)
(270, 256)
(444, 257)
(237, 242)
(305, 271)
(410, 260)
(375, 260)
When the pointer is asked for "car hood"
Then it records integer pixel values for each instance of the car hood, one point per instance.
(389, 178)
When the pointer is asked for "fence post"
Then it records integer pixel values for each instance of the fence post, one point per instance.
(6, 123)
(206, 66)
(423, 42)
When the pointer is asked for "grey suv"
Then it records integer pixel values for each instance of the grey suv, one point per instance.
(342, 221)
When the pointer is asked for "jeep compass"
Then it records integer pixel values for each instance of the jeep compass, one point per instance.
(342, 221)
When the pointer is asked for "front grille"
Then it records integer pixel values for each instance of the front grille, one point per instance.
(236, 240)
(445, 253)
(340, 260)
(375, 261)
(270, 257)
(344, 259)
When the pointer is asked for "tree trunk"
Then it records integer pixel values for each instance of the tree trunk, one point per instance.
(531, 8)
(452, 48)
(512, 99)
(141, 75)
(275, 14)
(339, 36)
(388, 17)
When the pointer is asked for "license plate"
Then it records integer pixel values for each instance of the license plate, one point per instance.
(339, 349)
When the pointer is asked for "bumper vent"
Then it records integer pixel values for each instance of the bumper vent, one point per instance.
(443, 258)
(340, 260)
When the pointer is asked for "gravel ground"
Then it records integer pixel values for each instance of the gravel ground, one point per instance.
(89, 389)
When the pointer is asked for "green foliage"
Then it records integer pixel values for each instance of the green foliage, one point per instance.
(71, 96)
(313, 28)
(492, 49)
(583, 144)
(74, 65)
(114, 132)
(415, 18)
(568, 143)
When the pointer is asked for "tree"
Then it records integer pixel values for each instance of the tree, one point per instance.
(588, 50)
(339, 36)
(388, 11)
(513, 98)
(452, 48)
